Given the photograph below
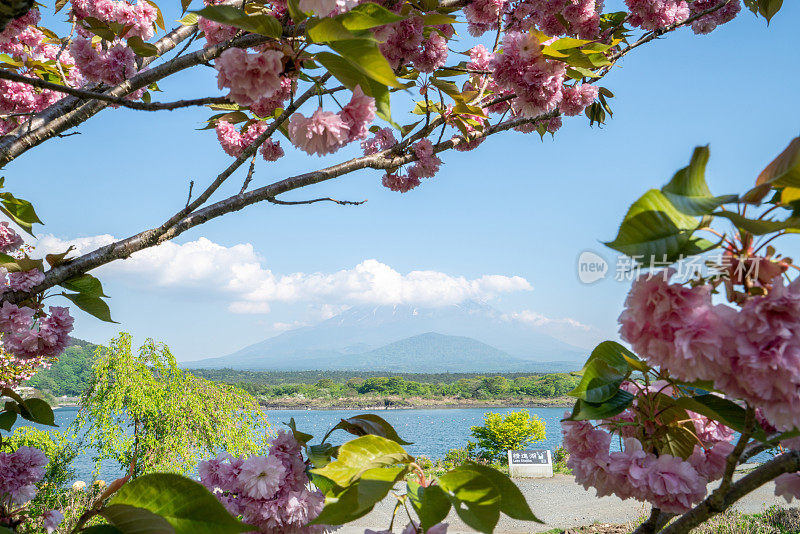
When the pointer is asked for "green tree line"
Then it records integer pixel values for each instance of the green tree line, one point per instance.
(71, 375)
(477, 387)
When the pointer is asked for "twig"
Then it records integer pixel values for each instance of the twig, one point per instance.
(191, 186)
(274, 200)
(249, 175)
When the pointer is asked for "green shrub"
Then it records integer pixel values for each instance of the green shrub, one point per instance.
(501, 433)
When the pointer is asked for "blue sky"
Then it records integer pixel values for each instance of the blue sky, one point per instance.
(517, 206)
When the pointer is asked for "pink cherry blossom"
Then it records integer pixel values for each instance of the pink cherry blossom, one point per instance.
(25, 280)
(323, 133)
(261, 476)
(576, 98)
(358, 114)
(382, 140)
(655, 14)
(675, 485)
(787, 486)
(249, 76)
(9, 239)
(708, 23)
(521, 68)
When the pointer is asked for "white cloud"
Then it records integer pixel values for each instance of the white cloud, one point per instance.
(565, 329)
(537, 319)
(238, 273)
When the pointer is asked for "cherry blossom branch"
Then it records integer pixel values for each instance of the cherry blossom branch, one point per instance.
(785, 463)
(93, 95)
(76, 111)
(38, 129)
(655, 34)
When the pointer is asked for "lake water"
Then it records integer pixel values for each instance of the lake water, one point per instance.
(432, 431)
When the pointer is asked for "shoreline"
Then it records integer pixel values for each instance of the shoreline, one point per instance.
(410, 403)
(392, 403)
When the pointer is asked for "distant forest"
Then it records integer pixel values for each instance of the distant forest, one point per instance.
(335, 384)
(70, 376)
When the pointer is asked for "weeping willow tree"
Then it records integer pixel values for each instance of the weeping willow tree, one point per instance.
(147, 415)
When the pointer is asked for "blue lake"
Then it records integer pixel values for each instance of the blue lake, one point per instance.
(432, 431)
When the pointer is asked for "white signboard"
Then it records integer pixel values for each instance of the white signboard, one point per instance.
(530, 464)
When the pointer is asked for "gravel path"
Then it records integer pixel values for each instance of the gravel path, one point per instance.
(560, 503)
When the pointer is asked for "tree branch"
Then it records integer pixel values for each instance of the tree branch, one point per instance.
(93, 95)
(785, 463)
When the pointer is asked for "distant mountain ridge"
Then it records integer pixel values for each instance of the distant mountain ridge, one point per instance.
(462, 338)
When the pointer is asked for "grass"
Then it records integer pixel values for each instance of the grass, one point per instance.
(774, 520)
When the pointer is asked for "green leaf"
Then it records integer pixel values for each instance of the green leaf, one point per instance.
(512, 501)
(719, 409)
(688, 190)
(38, 411)
(361, 454)
(7, 420)
(368, 15)
(94, 306)
(85, 284)
(365, 55)
(654, 228)
(300, 437)
(367, 423)
(769, 8)
(190, 19)
(784, 170)
(430, 503)
(758, 226)
(600, 381)
(20, 211)
(183, 503)
(320, 455)
(327, 30)
(438, 19)
(617, 404)
(142, 48)
(133, 520)
(606, 368)
(474, 497)
(350, 76)
(53, 259)
(261, 23)
(295, 12)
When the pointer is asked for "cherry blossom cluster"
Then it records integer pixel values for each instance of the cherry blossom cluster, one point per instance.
(405, 42)
(140, 17)
(21, 38)
(740, 351)
(640, 470)
(680, 330)
(19, 472)
(325, 132)
(426, 166)
(234, 142)
(270, 492)
(30, 337)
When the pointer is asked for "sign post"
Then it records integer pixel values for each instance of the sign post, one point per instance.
(530, 464)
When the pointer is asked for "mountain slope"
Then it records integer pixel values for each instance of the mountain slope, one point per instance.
(361, 329)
